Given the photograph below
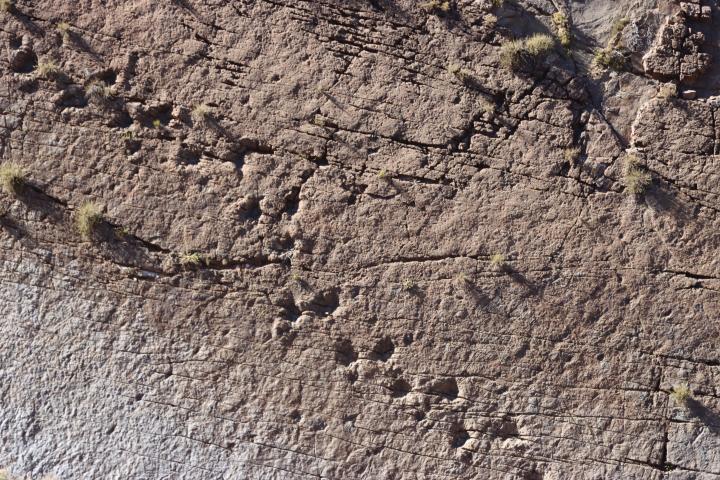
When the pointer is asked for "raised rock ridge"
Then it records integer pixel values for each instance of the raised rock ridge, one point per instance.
(340, 240)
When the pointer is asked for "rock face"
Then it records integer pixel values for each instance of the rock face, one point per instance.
(340, 240)
(677, 54)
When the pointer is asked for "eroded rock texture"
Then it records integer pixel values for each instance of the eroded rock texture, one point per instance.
(343, 242)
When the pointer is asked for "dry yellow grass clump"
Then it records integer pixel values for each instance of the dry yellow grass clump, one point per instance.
(12, 178)
(87, 218)
(515, 54)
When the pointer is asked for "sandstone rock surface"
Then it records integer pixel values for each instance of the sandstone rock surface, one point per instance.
(342, 241)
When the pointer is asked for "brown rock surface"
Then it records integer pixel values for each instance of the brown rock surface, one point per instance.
(341, 241)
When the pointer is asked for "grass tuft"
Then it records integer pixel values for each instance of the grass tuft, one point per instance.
(47, 69)
(64, 29)
(539, 44)
(617, 28)
(667, 90)
(497, 261)
(87, 219)
(458, 72)
(571, 154)
(635, 178)
(490, 20)
(511, 54)
(516, 54)
(562, 28)
(436, 6)
(681, 393)
(98, 92)
(191, 259)
(201, 113)
(610, 58)
(7, 5)
(409, 285)
(12, 178)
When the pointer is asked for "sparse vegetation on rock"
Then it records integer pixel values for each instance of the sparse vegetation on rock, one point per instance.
(681, 394)
(12, 178)
(98, 92)
(358, 246)
(64, 29)
(87, 218)
(516, 54)
(562, 28)
(191, 259)
(571, 154)
(409, 284)
(497, 261)
(7, 5)
(201, 113)
(436, 6)
(47, 69)
(612, 56)
(459, 72)
(635, 178)
(667, 90)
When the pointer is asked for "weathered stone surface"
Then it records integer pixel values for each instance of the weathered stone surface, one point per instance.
(677, 51)
(402, 272)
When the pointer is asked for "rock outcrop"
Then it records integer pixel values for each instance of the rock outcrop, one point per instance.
(340, 240)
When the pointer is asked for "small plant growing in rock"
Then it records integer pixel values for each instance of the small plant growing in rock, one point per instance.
(667, 90)
(490, 20)
(64, 29)
(121, 232)
(384, 175)
(98, 92)
(571, 154)
(409, 285)
(156, 123)
(497, 261)
(436, 6)
(47, 69)
(486, 105)
(617, 28)
(201, 113)
(7, 5)
(191, 259)
(458, 72)
(462, 280)
(320, 121)
(562, 28)
(635, 178)
(539, 44)
(515, 54)
(88, 218)
(511, 54)
(12, 178)
(681, 394)
(610, 58)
